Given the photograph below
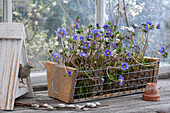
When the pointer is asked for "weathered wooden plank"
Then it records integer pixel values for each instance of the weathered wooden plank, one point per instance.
(2, 62)
(11, 31)
(10, 58)
(10, 73)
(10, 52)
(24, 60)
(5, 70)
(22, 90)
(14, 77)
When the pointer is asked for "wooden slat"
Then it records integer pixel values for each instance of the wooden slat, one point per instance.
(10, 50)
(28, 80)
(8, 31)
(9, 75)
(26, 91)
(2, 71)
(14, 78)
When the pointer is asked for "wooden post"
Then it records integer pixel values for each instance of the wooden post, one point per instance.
(7, 11)
(12, 54)
(100, 9)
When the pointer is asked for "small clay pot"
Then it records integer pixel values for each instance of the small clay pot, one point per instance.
(151, 92)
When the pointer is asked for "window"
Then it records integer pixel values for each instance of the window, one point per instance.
(141, 11)
(43, 17)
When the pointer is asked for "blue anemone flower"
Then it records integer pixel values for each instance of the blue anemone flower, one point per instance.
(97, 37)
(148, 24)
(91, 36)
(93, 42)
(83, 54)
(114, 45)
(81, 38)
(158, 26)
(127, 58)
(75, 37)
(86, 45)
(102, 79)
(106, 63)
(158, 62)
(128, 54)
(56, 56)
(95, 31)
(97, 25)
(76, 25)
(71, 48)
(61, 32)
(109, 31)
(121, 79)
(162, 50)
(108, 53)
(89, 31)
(108, 34)
(124, 66)
(136, 45)
(69, 72)
(106, 26)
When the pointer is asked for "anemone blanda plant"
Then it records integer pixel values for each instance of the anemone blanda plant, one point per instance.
(95, 47)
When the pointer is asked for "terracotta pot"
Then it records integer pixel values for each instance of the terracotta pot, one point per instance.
(151, 92)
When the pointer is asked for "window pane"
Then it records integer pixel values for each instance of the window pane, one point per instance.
(139, 12)
(1, 10)
(43, 17)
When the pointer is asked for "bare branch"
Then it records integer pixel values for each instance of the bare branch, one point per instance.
(124, 8)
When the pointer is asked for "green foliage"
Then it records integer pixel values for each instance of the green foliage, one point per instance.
(165, 54)
(79, 30)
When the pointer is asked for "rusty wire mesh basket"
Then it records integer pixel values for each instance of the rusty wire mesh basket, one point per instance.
(91, 87)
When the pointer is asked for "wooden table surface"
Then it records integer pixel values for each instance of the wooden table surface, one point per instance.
(124, 104)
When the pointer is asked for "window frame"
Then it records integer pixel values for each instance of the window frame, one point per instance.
(100, 11)
(7, 11)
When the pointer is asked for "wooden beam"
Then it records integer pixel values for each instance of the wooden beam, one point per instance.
(100, 11)
(7, 11)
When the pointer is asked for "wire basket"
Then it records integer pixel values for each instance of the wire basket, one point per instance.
(88, 85)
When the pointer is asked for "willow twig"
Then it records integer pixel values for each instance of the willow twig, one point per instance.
(117, 19)
(64, 11)
(144, 64)
(124, 7)
(108, 74)
(89, 76)
(83, 11)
